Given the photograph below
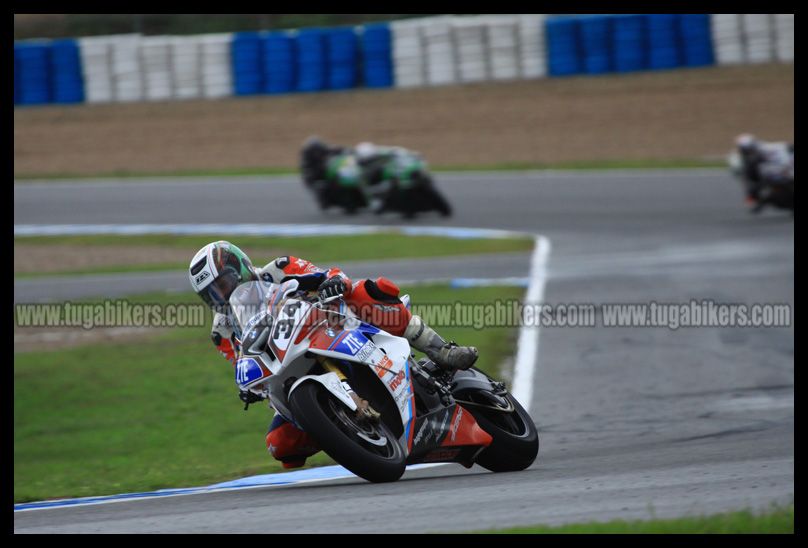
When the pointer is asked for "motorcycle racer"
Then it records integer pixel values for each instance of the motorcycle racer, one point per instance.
(219, 267)
(759, 163)
(324, 166)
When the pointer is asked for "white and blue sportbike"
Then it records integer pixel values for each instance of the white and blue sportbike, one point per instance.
(360, 394)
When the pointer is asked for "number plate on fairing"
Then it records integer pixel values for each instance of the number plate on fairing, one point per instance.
(290, 315)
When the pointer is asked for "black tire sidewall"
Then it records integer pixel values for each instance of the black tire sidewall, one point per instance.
(507, 453)
(337, 444)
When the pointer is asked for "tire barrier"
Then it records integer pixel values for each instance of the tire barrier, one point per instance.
(217, 76)
(32, 73)
(429, 51)
(248, 74)
(342, 66)
(563, 46)
(186, 60)
(65, 69)
(279, 63)
(502, 40)
(470, 43)
(96, 68)
(155, 55)
(697, 46)
(630, 43)
(377, 50)
(596, 44)
(409, 62)
(441, 65)
(311, 60)
(664, 42)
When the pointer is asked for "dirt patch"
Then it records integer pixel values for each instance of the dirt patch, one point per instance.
(33, 339)
(44, 258)
(60, 258)
(664, 115)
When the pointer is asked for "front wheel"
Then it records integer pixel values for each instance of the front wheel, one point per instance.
(371, 451)
(516, 441)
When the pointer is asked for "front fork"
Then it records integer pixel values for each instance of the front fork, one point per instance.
(363, 408)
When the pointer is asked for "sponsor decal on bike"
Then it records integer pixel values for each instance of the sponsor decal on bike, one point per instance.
(440, 428)
(456, 422)
(384, 366)
(396, 382)
(248, 371)
(351, 344)
(441, 455)
(420, 433)
(365, 352)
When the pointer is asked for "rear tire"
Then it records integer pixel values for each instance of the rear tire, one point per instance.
(441, 204)
(516, 441)
(332, 425)
(435, 198)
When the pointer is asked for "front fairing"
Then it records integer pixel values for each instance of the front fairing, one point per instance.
(300, 330)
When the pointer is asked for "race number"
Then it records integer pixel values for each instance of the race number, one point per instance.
(285, 324)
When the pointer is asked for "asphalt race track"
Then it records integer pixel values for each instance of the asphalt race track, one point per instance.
(634, 422)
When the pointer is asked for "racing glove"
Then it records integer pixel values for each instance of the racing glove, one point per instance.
(336, 285)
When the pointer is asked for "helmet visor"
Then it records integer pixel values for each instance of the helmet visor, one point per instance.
(218, 292)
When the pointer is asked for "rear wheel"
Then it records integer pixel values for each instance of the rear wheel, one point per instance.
(369, 450)
(516, 441)
(441, 204)
(438, 201)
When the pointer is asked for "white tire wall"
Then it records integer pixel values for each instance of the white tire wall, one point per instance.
(155, 55)
(216, 75)
(127, 75)
(96, 66)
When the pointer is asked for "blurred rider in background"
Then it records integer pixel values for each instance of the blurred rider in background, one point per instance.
(219, 267)
(758, 163)
(372, 167)
(315, 156)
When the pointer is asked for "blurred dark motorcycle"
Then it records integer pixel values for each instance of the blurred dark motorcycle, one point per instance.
(397, 182)
(775, 184)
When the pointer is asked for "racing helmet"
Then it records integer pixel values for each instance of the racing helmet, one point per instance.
(217, 269)
(365, 151)
(314, 151)
(746, 142)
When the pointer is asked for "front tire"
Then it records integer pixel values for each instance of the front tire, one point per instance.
(516, 441)
(371, 452)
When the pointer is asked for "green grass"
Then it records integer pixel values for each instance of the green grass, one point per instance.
(776, 520)
(503, 166)
(323, 250)
(131, 416)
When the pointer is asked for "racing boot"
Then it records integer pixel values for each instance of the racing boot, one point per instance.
(447, 355)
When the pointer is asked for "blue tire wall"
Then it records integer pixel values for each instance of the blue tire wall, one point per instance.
(629, 43)
(318, 59)
(696, 39)
(664, 41)
(343, 58)
(377, 61)
(32, 64)
(563, 46)
(279, 62)
(596, 38)
(68, 83)
(311, 60)
(247, 58)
